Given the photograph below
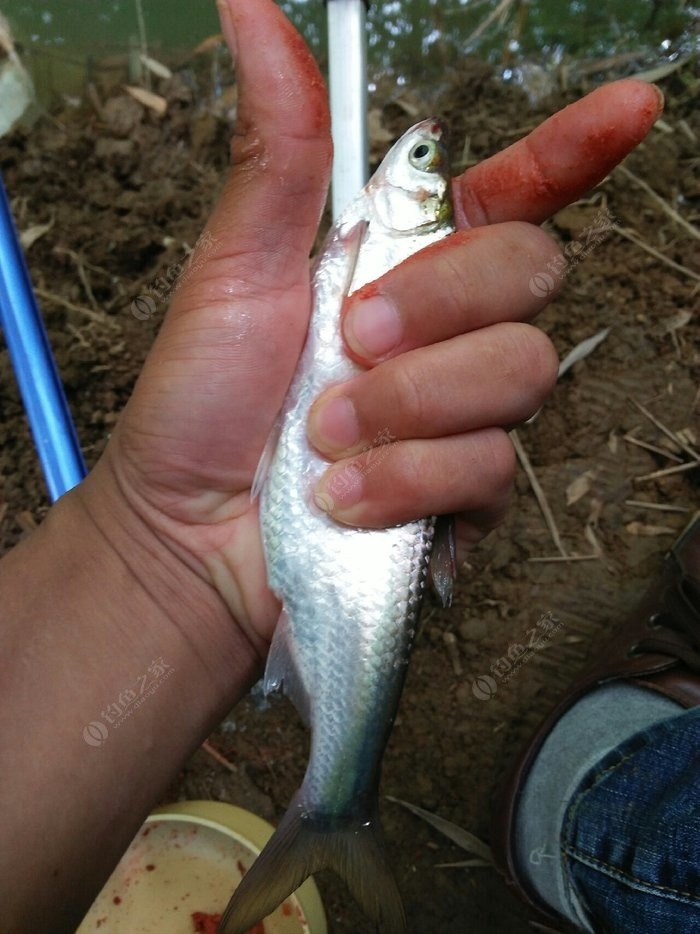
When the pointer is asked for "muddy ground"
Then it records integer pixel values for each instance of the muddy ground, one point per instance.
(127, 194)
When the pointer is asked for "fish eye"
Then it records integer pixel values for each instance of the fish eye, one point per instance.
(424, 155)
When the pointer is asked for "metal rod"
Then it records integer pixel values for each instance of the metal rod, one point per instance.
(35, 368)
(347, 79)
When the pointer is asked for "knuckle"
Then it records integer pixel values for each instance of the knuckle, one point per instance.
(544, 360)
(498, 461)
(533, 250)
(484, 486)
(410, 394)
(534, 240)
(536, 249)
(531, 359)
(453, 274)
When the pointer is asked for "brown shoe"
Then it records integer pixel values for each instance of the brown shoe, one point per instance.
(658, 647)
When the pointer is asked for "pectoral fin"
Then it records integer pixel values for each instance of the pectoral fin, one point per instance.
(352, 239)
(268, 452)
(443, 559)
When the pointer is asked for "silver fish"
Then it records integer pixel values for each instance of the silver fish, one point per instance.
(350, 597)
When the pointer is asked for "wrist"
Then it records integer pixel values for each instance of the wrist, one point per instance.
(177, 598)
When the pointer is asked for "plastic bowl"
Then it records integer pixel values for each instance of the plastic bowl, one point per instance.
(181, 868)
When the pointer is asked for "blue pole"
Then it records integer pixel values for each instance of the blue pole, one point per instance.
(35, 368)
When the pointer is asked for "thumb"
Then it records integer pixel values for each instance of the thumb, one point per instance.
(218, 371)
(281, 149)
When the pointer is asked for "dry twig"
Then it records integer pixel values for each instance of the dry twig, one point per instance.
(539, 492)
(666, 431)
(664, 452)
(678, 218)
(499, 12)
(545, 559)
(638, 241)
(215, 754)
(98, 316)
(679, 468)
(82, 275)
(662, 507)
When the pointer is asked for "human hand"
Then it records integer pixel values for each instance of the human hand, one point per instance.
(452, 358)
(458, 363)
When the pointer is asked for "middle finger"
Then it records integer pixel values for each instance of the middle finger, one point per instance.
(498, 375)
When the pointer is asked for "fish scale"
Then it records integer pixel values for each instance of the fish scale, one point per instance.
(351, 597)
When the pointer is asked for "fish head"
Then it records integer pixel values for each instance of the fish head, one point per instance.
(410, 192)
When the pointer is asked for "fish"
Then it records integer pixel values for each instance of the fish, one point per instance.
(350, 597)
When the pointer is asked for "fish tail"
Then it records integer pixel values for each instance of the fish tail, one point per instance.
(301, 846)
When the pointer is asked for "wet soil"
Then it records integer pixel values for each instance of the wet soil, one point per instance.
(127, 194)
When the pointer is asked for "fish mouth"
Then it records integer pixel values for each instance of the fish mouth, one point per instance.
(433, 127)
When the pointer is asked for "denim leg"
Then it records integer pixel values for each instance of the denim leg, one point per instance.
(596, 724)
(630, 840)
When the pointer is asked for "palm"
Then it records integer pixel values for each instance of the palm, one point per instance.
(193, 432)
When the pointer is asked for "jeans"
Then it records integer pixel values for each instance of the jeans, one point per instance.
(630, 840)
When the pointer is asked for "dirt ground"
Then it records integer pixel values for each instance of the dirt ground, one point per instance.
(127, 194)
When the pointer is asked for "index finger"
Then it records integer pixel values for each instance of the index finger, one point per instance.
(559, 161)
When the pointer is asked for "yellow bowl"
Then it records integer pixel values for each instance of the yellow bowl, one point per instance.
(186, 860)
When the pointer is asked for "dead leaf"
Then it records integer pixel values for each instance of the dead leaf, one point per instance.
(579, 352)
(468, 841)
(578, 488)
(575, 219)
(206, 45)
(377, 132)
(641, 528)
(154, 102)
(408, 106)
(26, 521)
(582, 350)
(652, 75)
(677, 321)
(155, 67)
(591, 526)
(32, 234)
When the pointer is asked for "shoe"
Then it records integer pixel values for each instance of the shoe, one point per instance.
(658, 648)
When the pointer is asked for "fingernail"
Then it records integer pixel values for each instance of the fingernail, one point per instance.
(333, 425)
(660, 96)
(373, 326)
(339, 490)
(227, 26)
